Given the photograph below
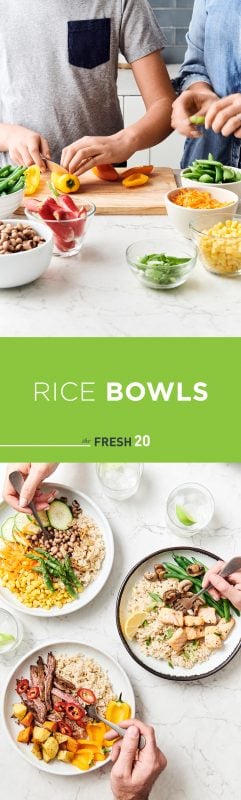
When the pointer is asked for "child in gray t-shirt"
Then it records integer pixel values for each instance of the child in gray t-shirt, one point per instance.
(58, 73)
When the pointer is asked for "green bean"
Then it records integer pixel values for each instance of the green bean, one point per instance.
(226, 607)
(17, 186)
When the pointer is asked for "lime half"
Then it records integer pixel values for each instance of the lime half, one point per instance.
(5, 638)
(184, 517)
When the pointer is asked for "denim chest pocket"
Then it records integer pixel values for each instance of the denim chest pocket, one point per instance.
(89, 42)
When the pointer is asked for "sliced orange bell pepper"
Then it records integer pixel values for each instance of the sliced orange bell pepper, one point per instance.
(135, 180)
(140, 170)
(106, 172)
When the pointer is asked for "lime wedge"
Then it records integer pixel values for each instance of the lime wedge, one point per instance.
(184, 517)
(5, 638)
(197, 120)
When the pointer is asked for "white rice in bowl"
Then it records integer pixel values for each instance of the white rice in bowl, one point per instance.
(86, 673)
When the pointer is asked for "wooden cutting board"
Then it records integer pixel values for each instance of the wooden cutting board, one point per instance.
(113, 198)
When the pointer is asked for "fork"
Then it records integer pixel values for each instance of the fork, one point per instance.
(231, 566)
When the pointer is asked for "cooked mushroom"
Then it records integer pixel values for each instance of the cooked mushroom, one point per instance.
(160, 571)
(197, 605)
(195, 569)
(185, 586)
(171, 596)
(150, 576)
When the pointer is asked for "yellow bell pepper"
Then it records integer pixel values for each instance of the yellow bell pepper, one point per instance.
(65, 183)
(100, 756)
(32, 179)
(137, 179)
(96, 732)
(87, 744)
(83, 760)
(118, 710)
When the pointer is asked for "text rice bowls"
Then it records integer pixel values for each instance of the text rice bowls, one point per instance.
(220, 246)
(168, 647)
(62, 570)
(182, 217)
(19, 267)
(162, 264)
(68, 675)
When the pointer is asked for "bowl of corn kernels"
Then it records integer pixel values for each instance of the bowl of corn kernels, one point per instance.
(220, 247)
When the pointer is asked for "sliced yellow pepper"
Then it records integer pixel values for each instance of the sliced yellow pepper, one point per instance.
(96, 732)
(32, 179)
(66, 183)
(137, 179)
(118, 710)
(83, 760)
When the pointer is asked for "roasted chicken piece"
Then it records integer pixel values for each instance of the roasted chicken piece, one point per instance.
(171, 617)
(208, 615)
(178, 640)
(195, 633)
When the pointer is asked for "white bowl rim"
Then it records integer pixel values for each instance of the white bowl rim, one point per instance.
(6, 197)
(33, 214)
(50, 644)
(35, 249)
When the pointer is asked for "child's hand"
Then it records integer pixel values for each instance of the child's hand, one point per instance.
(90, 151)
(25, 146)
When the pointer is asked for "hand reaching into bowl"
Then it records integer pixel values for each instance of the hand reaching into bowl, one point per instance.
(33, 474)
(229, 588)
(134, 772)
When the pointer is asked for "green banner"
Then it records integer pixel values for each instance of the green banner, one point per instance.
(120, 399)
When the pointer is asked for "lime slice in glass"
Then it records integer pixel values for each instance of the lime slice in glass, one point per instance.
(5, 638)
(184, 517)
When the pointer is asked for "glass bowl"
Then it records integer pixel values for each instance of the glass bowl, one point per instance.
(120, 481)
(159, 275)
(68, 234)
(9, 626)
(219, 253)
(190, 508)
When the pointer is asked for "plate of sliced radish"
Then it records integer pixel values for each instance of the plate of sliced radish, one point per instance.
(60, 570)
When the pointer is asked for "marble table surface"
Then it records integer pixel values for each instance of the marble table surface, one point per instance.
(95, 293)
(197, 725)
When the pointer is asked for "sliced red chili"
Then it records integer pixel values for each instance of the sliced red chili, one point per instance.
(87, 696)
(22, 686)
(65, 729)
(75, 712)
(60, 707)
(33, 693)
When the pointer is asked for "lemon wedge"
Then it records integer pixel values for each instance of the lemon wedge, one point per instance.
(133, 622)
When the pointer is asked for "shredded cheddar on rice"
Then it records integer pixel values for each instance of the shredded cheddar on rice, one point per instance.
(195, 198)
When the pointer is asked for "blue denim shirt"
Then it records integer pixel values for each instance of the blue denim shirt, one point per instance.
(213, 55)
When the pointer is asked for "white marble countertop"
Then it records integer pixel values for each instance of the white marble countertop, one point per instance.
(197, 725)
(95, 294)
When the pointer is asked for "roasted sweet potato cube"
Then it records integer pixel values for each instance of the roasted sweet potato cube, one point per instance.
(60, 737)
(72, 745)
(27, 720)
(25, 735)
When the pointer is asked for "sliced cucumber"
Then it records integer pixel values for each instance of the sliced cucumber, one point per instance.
(21, 520)
(44, 518)
(7, 529)
(60, 516)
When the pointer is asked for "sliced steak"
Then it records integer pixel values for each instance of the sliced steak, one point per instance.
(68, 698)
(41, 677)
(49, 678)
(77, 731)
(64, 686)
(38, 705)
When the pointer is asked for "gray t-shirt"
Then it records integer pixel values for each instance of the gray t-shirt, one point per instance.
(59, 61)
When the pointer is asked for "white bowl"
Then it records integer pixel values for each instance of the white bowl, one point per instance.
(92, 590)
(17, 269)
(231, 187)
(73, 647)
(10, 202)
(181, 218)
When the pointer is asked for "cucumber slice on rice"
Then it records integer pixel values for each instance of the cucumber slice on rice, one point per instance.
(21, 520)
(60, 515)
(7, 529)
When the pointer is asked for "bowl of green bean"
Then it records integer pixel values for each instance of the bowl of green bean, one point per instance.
(165, 263)
(12, 183)
(207, 172)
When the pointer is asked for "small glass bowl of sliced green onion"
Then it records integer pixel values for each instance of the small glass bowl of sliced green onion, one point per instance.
(164, 263)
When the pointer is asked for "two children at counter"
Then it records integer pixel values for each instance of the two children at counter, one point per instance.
(58, 82)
